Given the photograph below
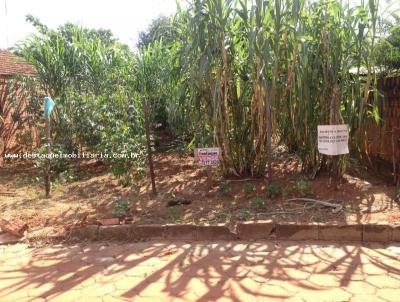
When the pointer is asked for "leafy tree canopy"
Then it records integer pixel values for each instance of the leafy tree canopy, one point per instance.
(388, 48)
(90, 76)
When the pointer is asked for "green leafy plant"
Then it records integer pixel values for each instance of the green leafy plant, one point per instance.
(249, 187)
(92, 79)
(273, 190)
(257, 202)
(288, 190)
(224, 188)
(397, 194)
(224, 215)
(120, 208)
(54, 159)
(291, 58)
(221, 72)
(66, 177)
(244, 214)
(303, 188)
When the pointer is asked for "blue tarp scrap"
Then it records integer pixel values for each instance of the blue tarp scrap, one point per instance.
(48, 106)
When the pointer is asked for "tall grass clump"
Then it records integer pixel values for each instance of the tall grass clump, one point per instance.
(258, 70)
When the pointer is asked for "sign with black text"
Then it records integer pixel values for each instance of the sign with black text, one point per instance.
(333, 139)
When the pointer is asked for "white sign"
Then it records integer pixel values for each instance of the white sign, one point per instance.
(207, 156)
(333, 139)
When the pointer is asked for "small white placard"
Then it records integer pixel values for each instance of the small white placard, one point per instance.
(333, 139)
(207, 156)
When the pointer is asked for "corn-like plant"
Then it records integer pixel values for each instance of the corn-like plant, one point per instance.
(237, 74)
(262, 69)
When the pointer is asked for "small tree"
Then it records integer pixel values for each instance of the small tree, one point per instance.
(89, 74)
(388, 48)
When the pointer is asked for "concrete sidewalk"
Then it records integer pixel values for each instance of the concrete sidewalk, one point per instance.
(220, 271)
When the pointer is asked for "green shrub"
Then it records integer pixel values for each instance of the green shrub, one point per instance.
(57, 164)
(244, 214)
(303, 188)
(248, 187)
(286, 191)
(66, 177)
(224, 188)
(274, 190)
(121, 208)
(257, 202)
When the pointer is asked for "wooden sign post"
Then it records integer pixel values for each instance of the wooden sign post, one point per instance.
(149, 152)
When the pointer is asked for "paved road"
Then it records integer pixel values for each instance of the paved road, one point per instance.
(221, 271)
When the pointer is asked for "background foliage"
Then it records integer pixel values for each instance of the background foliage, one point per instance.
(89, 75)
(243, 75)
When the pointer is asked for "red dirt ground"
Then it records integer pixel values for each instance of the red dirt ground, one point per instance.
(364, 197)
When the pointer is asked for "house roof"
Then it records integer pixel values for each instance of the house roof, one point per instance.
(10, 65)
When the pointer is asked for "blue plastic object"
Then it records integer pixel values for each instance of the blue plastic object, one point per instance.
(48, 106)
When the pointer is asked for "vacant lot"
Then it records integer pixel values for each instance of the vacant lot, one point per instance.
(185, 196)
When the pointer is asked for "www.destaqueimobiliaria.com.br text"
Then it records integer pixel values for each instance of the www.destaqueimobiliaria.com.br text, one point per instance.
(82, 155)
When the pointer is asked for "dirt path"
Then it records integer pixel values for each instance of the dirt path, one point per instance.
(220, 271)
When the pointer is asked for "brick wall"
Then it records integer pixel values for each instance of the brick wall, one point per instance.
(384, 139)
(15, 136)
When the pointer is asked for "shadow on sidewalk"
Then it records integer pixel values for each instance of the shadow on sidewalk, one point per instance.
(200, 271)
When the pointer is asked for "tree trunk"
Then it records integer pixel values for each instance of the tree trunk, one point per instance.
(149, 152)
(47, 167)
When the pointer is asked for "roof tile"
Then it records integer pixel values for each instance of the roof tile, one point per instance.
(10, 65)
